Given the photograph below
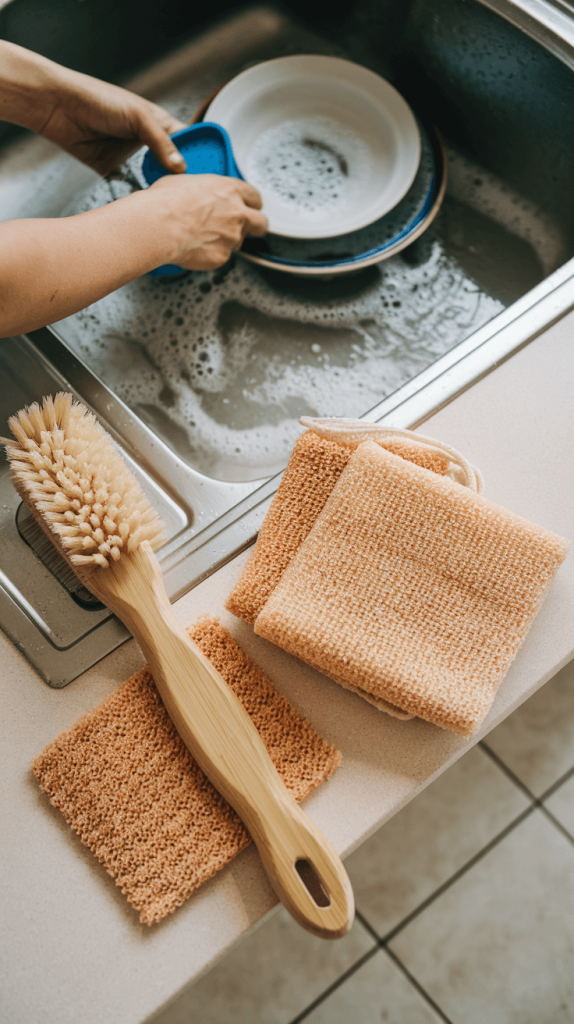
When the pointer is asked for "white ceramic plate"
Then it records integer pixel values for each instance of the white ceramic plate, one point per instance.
(369, 245)
(330, 145)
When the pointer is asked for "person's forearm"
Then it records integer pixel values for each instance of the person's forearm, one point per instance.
(29, 85)
(50, 269)
(98, 123)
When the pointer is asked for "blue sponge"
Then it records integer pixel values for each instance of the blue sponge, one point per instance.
(206, 148)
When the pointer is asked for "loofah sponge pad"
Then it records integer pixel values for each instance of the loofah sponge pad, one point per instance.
(412, 590)
(314, 468)
(129, 787)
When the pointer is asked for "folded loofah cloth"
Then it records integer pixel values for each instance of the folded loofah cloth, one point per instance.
(397, 582)
(316, 463)
(129, 787)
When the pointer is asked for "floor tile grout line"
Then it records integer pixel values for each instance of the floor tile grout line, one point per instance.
(556, 785)
(538, 801)
(336, 984)
(368, 927)
(507, 771)
(382, 943)
(458, 874)
(557, 824)
(417, 985)
(393, 956)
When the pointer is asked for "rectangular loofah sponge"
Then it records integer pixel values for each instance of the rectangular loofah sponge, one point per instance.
(315, 465)
(405, 587)
(128, 786)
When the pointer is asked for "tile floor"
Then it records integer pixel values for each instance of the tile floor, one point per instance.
(464, 902)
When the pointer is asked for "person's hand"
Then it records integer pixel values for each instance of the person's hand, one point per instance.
(98, 123)
(205, 216)
(192, 220)
(102, 124)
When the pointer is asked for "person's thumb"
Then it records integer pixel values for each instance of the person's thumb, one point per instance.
(162, 146)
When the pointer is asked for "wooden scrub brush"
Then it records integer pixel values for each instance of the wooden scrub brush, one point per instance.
(78, 488)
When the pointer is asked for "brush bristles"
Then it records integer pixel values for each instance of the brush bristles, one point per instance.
(73, 476)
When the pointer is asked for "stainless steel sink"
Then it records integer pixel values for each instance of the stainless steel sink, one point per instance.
(201, 379)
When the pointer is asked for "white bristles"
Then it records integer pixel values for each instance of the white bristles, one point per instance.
(71, 473)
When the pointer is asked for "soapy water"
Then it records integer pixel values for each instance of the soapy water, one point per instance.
(481, 190)
(221, 364)
(312, 165)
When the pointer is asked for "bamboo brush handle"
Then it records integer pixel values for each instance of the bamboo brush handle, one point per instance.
(223, 740)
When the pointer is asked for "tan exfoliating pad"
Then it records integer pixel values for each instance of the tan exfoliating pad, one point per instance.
(412, 590)
(314, 468)
(128, 786)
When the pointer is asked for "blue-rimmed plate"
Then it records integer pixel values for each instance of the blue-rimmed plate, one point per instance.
(372, 244)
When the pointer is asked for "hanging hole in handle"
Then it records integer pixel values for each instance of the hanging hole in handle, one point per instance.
(312, 882)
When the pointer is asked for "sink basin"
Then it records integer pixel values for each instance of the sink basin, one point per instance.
(202, 379)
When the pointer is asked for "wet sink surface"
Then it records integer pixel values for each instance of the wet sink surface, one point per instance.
(222, 365)
(202, 378)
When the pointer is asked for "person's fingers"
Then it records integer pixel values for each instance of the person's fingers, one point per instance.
(256, 223)
(172, 124)
(161, 145)
(249, 194)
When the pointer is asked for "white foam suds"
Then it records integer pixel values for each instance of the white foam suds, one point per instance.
(222, 364)
(311, 165)
(483, 191)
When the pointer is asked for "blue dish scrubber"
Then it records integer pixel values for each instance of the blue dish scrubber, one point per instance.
(206, 148)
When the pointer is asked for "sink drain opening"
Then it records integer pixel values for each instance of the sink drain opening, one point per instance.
(35, 538)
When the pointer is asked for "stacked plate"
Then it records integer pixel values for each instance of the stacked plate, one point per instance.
(348, 175)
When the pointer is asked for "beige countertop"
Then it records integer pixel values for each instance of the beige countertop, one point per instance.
(73, 950)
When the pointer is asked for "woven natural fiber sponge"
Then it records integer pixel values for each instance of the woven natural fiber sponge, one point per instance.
(314, 468)
(128, 786)
(412, 590)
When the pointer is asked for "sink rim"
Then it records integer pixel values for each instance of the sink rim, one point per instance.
(196, 551)
(206, 550)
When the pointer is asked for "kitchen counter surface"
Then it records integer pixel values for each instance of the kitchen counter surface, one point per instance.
(73, 950)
